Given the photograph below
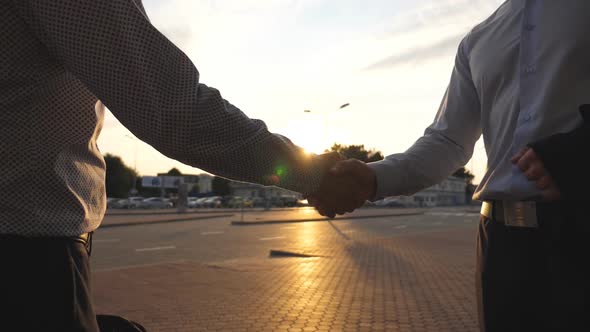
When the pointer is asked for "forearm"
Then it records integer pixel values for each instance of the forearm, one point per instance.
(429, 161)
(153, 89)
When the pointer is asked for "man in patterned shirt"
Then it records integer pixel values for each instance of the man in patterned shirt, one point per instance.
(58, 59)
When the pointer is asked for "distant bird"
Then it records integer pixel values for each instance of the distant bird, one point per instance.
(307, 111)
(345, 105)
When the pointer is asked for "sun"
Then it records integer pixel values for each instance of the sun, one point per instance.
(311, 135)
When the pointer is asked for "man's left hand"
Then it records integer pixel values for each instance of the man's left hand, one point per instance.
(534, 169)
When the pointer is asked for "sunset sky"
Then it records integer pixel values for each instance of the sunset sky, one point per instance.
(390, 59)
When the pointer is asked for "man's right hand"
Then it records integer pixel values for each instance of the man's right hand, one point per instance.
(345, 187)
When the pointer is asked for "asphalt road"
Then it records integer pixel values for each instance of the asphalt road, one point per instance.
(217, 241)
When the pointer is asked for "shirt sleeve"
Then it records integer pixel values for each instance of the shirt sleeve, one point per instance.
(153, 89)
(447, 144)
(565, 156)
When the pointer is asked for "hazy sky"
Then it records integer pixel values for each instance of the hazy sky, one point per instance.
(390, 59)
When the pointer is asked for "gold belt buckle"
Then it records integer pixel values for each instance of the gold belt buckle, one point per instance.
(520, 214)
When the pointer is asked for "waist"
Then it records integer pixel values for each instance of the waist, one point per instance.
(519, 213)
(85, 239)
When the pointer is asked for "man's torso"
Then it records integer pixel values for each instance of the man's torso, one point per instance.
(52, 173)
(530, 64)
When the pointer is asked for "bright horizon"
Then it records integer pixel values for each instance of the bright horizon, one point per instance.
(391, 60)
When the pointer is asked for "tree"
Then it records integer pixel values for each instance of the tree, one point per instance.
(464, 174)
(357, 152)
(119, 177)
(220, 186)
(468, 176)
(174, 172)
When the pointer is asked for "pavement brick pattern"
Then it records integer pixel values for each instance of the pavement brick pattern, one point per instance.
(413, 282)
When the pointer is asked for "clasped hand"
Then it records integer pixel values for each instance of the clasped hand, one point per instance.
(347, 185)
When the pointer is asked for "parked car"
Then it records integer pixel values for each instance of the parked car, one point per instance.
(192, 202)
(122, 203)
(389, 202)
(233, 201)
(289, 200)
(212, 202)
(156, 203)
(258, 202)
(240, 202)
(276, 201)
(201, 202)
(128, 203)
(112, 203)
(134, 202)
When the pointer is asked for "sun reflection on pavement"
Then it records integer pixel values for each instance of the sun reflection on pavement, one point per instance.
(307, 235)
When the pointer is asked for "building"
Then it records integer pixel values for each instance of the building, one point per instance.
(451, 191)
(205, 184)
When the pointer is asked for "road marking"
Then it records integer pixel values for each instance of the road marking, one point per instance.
(212, 233)
(401, 226)
(106, 240)
(271, 238)
(438, 223)
(155, 248)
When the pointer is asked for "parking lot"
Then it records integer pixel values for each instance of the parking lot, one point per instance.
(378, 269)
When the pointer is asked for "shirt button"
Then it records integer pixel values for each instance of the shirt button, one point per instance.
(527, 117)
(529, 27)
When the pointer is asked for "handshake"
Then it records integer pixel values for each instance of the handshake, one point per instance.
(346, 186)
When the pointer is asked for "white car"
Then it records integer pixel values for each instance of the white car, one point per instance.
(192, 202)
(135, 202)
(113, 203)
(389, 202)
(212, 202)
(156, 203)
(201, 202)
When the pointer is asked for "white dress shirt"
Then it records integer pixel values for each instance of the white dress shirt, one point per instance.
(519, 76)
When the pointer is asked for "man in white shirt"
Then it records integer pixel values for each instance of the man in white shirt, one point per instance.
(519, 79)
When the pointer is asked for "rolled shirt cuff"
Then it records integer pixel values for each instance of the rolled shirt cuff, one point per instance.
(387, 179)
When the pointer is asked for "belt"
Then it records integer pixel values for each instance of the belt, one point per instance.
(85, 239)
(511, 213)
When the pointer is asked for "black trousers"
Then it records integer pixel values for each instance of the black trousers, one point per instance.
(45, 285)
(535, 279)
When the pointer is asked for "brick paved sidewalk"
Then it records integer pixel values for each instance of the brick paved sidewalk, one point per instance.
(419, 282)
(254, 216)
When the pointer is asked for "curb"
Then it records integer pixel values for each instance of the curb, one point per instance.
(287, 221)
(146, 212)
(167, 221)
(172, 213)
